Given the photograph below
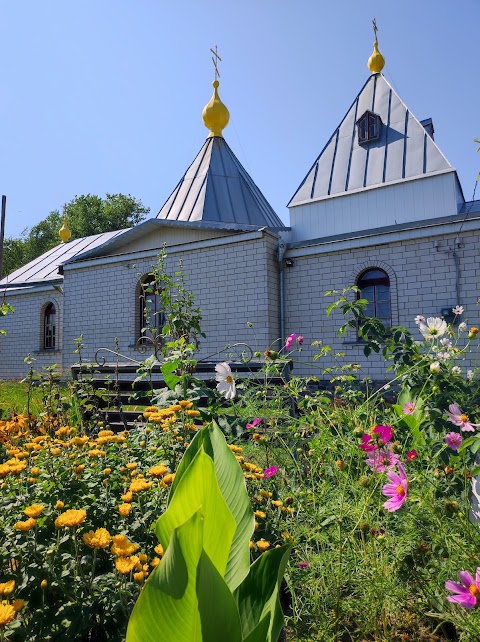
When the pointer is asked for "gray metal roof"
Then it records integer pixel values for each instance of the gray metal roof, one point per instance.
(216, 188)
(44, 269)
(404, 149)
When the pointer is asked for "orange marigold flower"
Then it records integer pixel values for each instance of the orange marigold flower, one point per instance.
(155, 562)
(260, 514)
(18, 605)
(131, 465)
(157, 471)
(59, 505)
(7, 613)
(159, 550)
(124, 509)
(7, 587)
(262, 544)
(100, 538)
(128, 497)
(71, 518)
(35, 471)
(193, 413)
(265, 493)
(277, 503)
(35, 510)
(124, 565)
(27, 525)
(236, 449)
(43, 584)
(122, 547)
(139, 577)
(139, 485)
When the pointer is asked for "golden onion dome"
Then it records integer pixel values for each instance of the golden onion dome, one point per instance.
(64, 232)
(376, 62)
(215, 115)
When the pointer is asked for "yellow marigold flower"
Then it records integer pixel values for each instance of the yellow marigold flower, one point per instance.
(168, 479)
(265, 493)
(235, 449)
(155, 562)
(256, 525)
(159, 550)
(277, 503)
(260, 514)
(80, 468)
(43, 584)
(158, 471)
(56, 451)
(96, 453)
(107, 471)
(124, 565)
(59, 505)
(148, 431)
(7, 614)
(35, 510)
(100, 538)
(287, 536)
(71, 518)
(18, 605)
(185, 404)
(175, 408)
(79, 441)
(105, 433)
(122, 547)
(139, 485)
(27, 525)
(139, 577)
(35, 471)
(250, 544)
(128, 497)
(7, 587)
(142, 557)
(262, 544)
(124, 509)
(193, 413)
(131, 465)
(290, 510)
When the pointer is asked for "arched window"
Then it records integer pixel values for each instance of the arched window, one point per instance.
(151, 315)
(49, 327)
(374, 286)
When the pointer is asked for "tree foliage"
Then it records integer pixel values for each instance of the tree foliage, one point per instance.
(87, 215)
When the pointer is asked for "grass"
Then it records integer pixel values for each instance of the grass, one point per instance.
(14, 398)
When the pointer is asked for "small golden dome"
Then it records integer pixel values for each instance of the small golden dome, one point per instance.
(215, 115)
(64, 232)
(376, 62)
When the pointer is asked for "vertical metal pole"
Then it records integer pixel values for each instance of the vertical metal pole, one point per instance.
(2, 232)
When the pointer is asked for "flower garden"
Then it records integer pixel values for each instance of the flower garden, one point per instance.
(351, 509)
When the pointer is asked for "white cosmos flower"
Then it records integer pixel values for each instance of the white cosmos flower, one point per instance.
(419, 319)
(435, 367)
(458, 309)
(456, 370)
(225, 380)
(470, 374)
(462, 327)
(433, 328)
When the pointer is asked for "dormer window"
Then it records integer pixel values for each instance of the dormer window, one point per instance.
(369, 127)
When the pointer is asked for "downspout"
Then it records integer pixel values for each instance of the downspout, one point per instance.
(280, 253)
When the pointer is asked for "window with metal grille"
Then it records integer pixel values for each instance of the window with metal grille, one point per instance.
(49, 327)
(151, 315)
(374, 286)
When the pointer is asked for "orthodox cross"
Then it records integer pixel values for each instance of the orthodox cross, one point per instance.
(215, 59)
(375, 28)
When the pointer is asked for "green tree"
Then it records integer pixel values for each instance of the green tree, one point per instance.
(87, 215)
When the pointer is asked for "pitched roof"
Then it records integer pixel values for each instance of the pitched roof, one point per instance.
(44, 269)
(403, 151)
(217, 188)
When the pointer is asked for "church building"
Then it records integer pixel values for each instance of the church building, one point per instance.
(380, 207)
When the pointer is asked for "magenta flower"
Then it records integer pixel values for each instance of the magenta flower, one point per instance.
(467, 592)
(409, 408)
(270, 472)
(382, 460)
(289, 341)
(254, 423)
(411, 455)
(300, 339)
(396, 489)
(453, 440)
(458, 418)
(379, 436)
(303, 565)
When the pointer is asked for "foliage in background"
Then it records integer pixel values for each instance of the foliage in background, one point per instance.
(87, 215)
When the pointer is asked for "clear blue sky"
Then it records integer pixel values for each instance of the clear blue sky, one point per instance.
(104, 96)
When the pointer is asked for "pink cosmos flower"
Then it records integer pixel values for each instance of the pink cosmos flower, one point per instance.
(458, 418)
(396, 489)
(300, 339)
(254, 423)
(409, 408)
(270, 472)
(466, 593)
(453, 440)
(289, 341)
(382, 460)
(379, 436)
(411, 455)
(303, 565)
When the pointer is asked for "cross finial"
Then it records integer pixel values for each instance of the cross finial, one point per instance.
(215, 59)
(375, 28)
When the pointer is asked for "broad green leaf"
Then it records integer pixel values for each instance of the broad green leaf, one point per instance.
(218, 610)
(167, 608)
(168, 369)
(260, 632)
(232, 485)
(257, 596)
(198, 490)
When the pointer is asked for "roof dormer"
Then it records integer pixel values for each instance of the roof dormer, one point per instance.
(369, 127)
